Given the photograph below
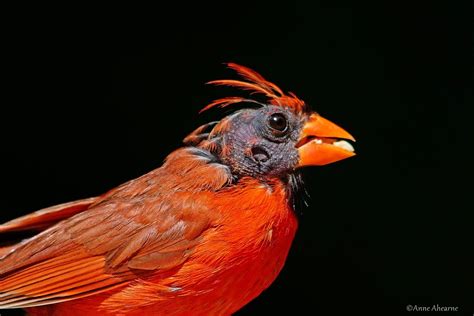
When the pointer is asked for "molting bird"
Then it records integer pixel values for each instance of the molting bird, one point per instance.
(203, 234)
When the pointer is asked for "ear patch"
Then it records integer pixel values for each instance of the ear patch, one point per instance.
(259, 154)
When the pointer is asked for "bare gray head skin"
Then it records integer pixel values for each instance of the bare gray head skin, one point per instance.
(260, 142)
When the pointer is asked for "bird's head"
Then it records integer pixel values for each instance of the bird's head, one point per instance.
(273, 139)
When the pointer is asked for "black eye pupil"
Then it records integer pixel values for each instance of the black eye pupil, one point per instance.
(278, 122)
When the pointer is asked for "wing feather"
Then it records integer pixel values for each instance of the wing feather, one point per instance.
(126, 234)
(47, 217)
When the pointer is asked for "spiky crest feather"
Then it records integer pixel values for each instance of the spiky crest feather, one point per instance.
(257, 84)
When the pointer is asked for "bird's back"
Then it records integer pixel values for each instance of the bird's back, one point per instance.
(160, 244)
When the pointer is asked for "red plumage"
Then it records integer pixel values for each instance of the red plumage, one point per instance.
(189, 238)
(256, 84)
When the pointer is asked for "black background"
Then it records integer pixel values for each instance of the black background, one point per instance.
(92, 99)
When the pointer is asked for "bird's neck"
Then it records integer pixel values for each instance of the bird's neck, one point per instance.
(197, 169)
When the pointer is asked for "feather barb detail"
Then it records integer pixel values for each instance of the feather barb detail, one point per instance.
(256, 84)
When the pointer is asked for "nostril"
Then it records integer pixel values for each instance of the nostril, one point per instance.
(259, 154)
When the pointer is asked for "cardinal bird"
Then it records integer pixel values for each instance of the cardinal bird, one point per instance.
(203, 234)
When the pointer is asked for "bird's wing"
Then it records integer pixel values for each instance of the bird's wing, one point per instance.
(103, 248)
(46, 217)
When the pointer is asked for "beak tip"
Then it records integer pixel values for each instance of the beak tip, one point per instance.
(317, 154)
(350, 137)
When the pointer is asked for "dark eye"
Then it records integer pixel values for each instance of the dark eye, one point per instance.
(278, 123)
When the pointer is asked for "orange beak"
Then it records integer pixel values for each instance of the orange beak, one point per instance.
(323, 142)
